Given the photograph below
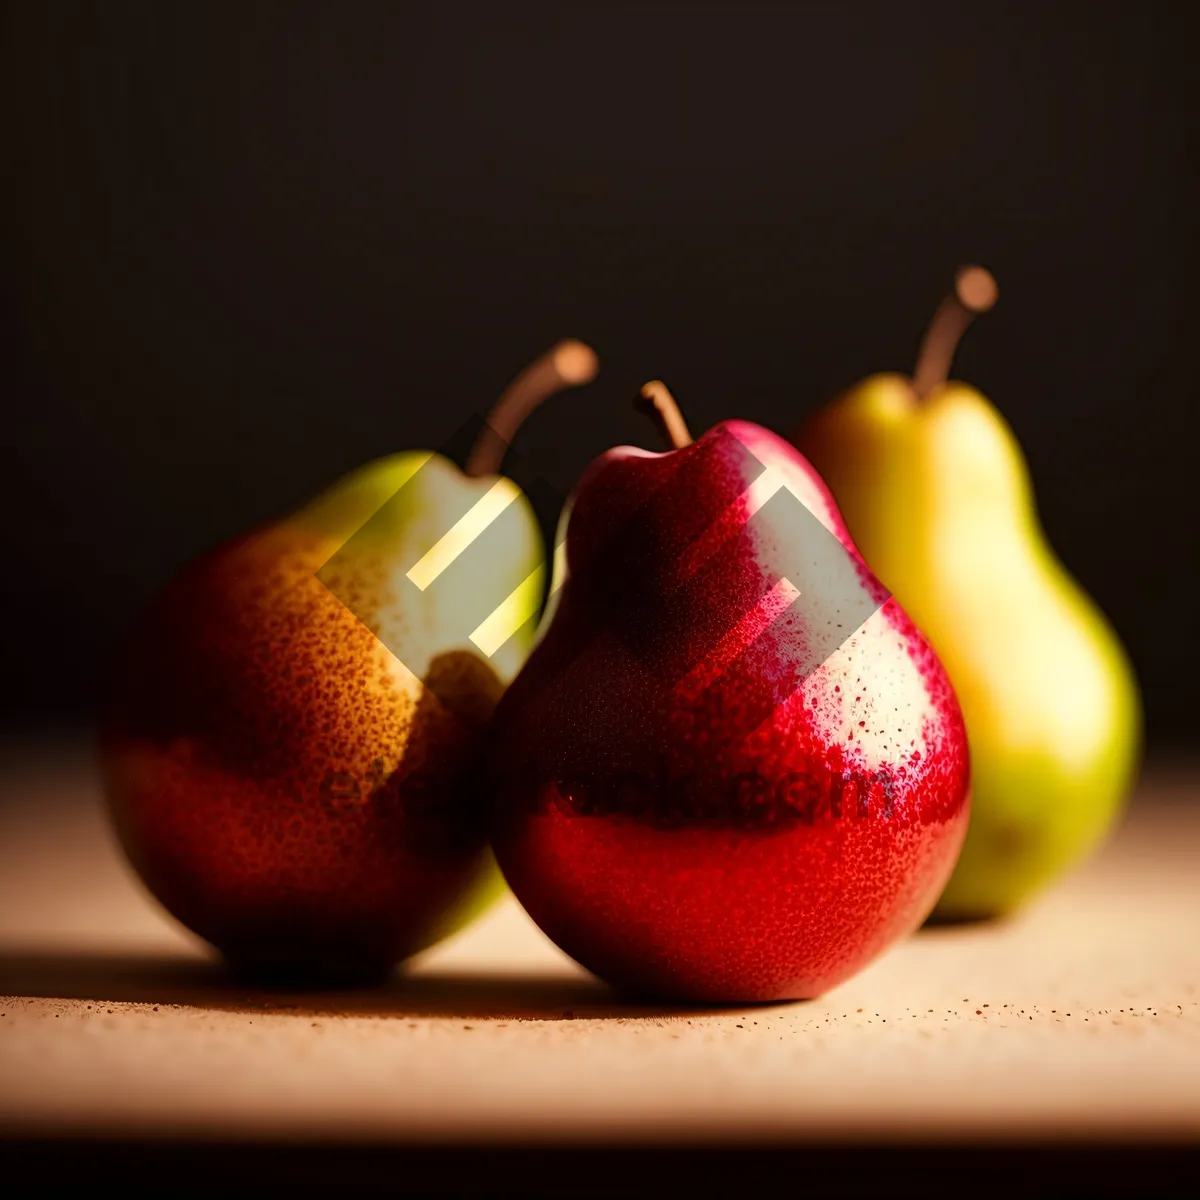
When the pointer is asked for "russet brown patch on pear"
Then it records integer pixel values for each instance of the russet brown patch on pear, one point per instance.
(300, 769)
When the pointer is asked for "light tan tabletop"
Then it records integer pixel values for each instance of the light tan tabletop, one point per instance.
(1079, 1018)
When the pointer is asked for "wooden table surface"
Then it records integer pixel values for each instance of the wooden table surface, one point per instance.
(1079, 1019)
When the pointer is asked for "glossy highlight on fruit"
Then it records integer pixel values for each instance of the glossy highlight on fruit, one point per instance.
(732, 768)
(291, 725)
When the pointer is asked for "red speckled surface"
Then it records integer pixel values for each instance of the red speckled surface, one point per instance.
(705, 792)
(279, 785)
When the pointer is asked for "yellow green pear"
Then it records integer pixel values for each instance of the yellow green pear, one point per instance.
(937, 495)
(289, 739)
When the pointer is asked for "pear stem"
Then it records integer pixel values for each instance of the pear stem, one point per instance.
(975, 291)
(570, 363)
(660, 405)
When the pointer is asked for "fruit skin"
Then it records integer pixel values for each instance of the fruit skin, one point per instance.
(708, 896)
(282, 781)
(937, 495)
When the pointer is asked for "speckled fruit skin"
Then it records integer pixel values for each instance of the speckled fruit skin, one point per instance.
(765, 878)
(284, 786)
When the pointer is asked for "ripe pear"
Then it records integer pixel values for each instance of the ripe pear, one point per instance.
(937, 494)
(291, 725)
(732, 769)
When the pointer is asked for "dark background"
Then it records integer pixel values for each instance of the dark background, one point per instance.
(248, 246)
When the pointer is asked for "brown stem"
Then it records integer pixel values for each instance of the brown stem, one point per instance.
(568, 364)
(974, 293)
(659, 404)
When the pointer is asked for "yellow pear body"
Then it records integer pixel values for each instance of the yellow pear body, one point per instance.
(937, 496)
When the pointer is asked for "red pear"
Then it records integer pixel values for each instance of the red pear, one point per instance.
(732, 769)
